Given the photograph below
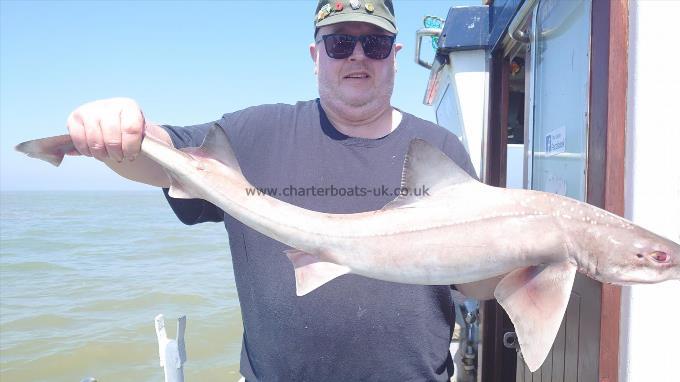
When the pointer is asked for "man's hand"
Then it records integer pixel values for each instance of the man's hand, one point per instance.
(110, 129)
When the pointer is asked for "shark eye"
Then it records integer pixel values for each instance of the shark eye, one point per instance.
(660, 257)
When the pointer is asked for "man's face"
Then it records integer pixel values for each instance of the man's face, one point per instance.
(356, 81)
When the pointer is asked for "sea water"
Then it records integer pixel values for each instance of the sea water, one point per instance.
(83, 274)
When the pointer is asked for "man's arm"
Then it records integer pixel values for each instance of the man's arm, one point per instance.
(112, 130)
(142, 169)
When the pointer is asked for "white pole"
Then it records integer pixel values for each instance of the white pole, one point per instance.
(171, 353)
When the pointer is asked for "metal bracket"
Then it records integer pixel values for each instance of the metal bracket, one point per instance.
(420, 34)
(513, 30)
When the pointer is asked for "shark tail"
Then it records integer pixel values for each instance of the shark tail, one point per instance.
(50, 149)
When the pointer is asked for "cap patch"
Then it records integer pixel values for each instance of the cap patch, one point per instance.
(324, 12)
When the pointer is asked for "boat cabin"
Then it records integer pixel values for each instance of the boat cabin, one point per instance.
(568, 97)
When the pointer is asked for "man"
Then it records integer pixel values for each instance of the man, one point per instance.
(351, 138)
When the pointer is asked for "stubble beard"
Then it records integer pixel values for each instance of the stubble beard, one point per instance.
(356, 108)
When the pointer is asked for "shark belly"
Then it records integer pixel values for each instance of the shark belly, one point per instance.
(451, 254)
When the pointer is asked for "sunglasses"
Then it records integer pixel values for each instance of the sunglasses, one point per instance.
(341, 46)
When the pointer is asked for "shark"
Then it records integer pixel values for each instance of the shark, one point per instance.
(460, 231)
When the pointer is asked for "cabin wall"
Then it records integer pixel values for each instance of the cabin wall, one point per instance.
(649, 336)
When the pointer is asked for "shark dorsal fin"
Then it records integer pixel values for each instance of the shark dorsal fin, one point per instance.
(426, 168)
(216, 146)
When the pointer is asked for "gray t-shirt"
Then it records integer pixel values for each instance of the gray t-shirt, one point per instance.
(353, 328)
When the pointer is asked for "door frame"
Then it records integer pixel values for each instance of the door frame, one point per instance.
(606, 149)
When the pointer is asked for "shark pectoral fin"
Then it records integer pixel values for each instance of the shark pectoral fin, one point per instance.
(536, 298)
(310, 272)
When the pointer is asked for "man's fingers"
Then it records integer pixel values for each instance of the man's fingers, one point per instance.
(94, 138)
(132, 128)
(77, 132)
(110, 129)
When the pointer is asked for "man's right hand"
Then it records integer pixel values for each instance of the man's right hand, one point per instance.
(112, 130)
(109, 129)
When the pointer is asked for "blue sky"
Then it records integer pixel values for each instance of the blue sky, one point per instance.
(184, 62)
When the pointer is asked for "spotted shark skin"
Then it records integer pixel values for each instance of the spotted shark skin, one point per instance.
(463, 231)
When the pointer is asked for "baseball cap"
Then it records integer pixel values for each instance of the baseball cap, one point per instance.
(378, 12)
